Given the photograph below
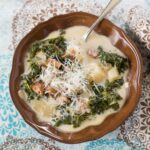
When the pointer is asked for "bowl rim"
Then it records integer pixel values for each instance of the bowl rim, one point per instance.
(58, 138)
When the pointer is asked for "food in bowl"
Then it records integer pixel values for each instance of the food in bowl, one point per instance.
(73, 84)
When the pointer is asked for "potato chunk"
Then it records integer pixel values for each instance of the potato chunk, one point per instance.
(113, 74)
(96, 73)
(42, 108)
(41, 57)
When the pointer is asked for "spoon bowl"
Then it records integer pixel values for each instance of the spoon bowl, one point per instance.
(109, 7)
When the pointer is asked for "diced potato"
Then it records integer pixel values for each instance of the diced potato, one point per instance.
(41, 57)
(22, 94)
(38, 106)
(96, 73)
(42, 108)
(113, 74)
(106, 67)
(48, 111)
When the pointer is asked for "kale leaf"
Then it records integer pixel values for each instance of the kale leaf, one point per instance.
(65, 120)
(74, 120)
(121, 63)
(34, 73)
(111, 86)
(27, 88)
(52, 51)
(52, 47)
(28, 79)
(70, 119)
(98, 104)
(105, 97)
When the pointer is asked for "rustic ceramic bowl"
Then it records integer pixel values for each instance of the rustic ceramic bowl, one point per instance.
(117, 37)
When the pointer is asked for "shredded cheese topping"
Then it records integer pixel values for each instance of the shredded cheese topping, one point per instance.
(48, 74)
(68, 82)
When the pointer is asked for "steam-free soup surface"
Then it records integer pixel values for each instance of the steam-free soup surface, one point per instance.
(74, 84)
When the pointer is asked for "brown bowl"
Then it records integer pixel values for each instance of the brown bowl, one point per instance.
(117, 37)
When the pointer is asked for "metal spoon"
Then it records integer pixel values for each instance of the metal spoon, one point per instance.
(109, 7)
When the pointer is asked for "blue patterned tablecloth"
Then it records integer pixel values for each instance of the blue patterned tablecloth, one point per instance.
(17, 18)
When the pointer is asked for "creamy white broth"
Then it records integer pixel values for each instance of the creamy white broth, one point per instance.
(45, 108)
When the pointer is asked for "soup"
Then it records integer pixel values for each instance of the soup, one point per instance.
(73, 84)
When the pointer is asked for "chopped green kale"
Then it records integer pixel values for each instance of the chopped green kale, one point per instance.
(97, 89)
(27, 88)
(77, 119)
(74, 120)
(28, 79)
(34, 73)
(121, 63)
(98, 104)
(66, 118)
(34, 48)
(111, 86)
(53, 51)
(105, 97)
(52, 47)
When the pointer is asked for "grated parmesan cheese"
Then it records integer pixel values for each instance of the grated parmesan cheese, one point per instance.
(48, 74)
(69, 82)
(72, 81)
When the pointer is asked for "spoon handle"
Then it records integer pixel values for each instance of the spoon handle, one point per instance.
(109, 7)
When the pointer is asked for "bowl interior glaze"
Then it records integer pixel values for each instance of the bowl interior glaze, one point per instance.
(117, 37)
